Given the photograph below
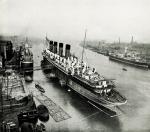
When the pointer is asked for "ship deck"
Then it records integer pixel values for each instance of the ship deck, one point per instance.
(91, 83)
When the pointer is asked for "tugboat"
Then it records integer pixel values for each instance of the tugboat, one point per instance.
(81, 78)
(26, 62)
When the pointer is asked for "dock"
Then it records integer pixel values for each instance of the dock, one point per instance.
(55, 111)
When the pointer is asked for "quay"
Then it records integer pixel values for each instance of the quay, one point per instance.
(55, 111)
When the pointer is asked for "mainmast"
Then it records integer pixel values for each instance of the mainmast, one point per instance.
(83, 45)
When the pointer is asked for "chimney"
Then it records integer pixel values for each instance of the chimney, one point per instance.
(55, 48)
(61, 49)
(67, 52)
(51, 46)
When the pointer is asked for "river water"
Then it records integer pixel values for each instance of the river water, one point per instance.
(134, 84)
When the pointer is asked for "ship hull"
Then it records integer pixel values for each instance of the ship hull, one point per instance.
(82, 88)
(129, 62)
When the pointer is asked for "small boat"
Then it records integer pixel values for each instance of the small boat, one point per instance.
(39, 88)
(124, 69)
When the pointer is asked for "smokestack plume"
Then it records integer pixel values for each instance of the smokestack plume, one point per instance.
(51, 46)
(61, 49)
(55, 47)
(67, 52)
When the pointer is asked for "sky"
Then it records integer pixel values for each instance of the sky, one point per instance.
(67, 19)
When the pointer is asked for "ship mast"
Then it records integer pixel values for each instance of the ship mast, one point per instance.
(83, 45)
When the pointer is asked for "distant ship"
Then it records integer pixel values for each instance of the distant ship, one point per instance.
(81, 78)
(129, 59)
(26, 62)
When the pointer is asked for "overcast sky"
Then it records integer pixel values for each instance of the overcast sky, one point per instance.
(67, 19)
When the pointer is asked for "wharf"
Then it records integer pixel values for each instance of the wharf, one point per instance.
(56, 112)
(14, 86)
(14, 99)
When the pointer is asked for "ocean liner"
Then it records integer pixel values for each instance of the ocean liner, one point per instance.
(81, 78)
(129, 59)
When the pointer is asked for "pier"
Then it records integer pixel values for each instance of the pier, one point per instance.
(55, 111)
